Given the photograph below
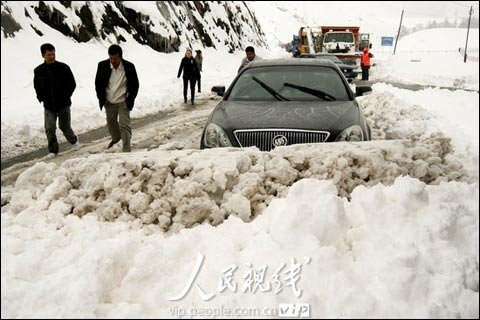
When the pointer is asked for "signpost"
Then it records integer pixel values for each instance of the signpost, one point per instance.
(387, 42)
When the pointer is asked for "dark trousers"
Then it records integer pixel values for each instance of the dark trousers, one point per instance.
(199, 83)
(192, 88)
(365, 72)
(64, 125)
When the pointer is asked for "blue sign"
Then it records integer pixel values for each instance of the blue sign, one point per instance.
(387, 41)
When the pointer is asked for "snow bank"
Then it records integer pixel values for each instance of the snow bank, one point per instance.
(180, 189)
(454, 113)
(407, 250)
(402, 114)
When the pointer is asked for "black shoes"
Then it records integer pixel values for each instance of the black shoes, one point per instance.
(112, 143)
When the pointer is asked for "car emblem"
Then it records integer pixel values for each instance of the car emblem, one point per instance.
(279, 140)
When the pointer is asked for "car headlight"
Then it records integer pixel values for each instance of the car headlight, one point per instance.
(353, 133)
(215, 137)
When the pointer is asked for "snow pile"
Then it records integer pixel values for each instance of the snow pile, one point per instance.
(454, 113)
(391, 118)
(402, 114)
(407, 250)
(183, 188)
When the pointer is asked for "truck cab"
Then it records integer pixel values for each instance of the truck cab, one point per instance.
(339, 42)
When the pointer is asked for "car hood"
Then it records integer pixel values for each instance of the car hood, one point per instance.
(308, 115)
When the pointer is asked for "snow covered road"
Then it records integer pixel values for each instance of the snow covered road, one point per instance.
(177, 128)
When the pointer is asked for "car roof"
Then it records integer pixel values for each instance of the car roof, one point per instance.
(317, 54)
(290, 62)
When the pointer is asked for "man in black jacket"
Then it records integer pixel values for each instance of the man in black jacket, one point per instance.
(54, 84)
(116, 84)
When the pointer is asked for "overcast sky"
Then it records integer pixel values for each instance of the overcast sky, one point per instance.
(414, 11)
(281, 19)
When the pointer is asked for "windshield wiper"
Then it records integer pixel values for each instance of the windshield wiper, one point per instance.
(314, 92)
(274, 93)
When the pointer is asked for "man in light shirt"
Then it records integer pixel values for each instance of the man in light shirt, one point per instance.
(249, 56)
(116, 84)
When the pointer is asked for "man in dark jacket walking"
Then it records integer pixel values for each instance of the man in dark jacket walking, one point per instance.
(116, 84)
(190, 74)
(54, 84)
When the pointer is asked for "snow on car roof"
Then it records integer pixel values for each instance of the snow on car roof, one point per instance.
(290, 62)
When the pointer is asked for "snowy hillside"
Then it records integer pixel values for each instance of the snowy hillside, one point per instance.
(165, 26)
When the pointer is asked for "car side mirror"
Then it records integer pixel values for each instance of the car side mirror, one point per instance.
(370, 46)
(362, 90)
(219, 90)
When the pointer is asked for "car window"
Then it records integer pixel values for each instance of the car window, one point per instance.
(314, 77)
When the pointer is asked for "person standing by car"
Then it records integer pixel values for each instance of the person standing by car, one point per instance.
(54, 85)
(365, 63)
(116, 84)
(190, 74)
(199, 61)
(250, 56)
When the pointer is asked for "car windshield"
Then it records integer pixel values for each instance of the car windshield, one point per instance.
(338, 37)
(289, 83)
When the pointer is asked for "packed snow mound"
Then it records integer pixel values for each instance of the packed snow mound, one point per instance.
(394, 113)
(178, 189)
(399, 251)
(390, 118)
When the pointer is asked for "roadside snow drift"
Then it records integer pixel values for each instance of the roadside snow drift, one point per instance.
(179, 189)
(406, 250)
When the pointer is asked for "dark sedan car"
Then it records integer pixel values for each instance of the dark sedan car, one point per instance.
(275, 103)
(349, 71)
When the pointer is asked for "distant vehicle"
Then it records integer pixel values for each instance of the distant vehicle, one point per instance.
(309, 40)
(349, 71)
(283, 102)
(346, 42)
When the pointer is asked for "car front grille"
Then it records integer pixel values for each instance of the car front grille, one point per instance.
(267, 139)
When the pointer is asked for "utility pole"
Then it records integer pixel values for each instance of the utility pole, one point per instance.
(398, 33)
(468, 31)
